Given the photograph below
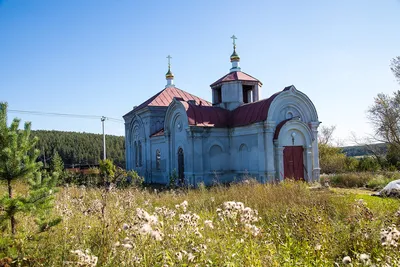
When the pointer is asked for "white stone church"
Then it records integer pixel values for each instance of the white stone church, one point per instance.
(236, 135)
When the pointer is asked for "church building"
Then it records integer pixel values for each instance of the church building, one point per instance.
(236, 135)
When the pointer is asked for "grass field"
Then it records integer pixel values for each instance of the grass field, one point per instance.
(249, 224)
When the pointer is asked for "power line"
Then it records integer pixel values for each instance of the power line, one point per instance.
(78, 116)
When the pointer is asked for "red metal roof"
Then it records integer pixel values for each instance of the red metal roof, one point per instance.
(236, 76)
(165, 97)
(207, 116)
(252, 112)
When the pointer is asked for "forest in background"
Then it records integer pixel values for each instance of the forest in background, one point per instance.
(79, 148)
(365, 150)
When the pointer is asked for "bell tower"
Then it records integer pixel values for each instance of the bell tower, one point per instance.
(235, 59)
(235, 88)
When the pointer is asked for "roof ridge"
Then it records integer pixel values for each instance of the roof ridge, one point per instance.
(194, 96)
(250, 76)
(168, 93)
(234, 78)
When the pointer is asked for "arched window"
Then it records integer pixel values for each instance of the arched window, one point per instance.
(136, 154)
(140, 153)
(215, 158)
(158, 159)
(244, 158)
(181, 166)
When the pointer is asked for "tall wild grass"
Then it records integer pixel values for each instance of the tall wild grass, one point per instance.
(249, 224)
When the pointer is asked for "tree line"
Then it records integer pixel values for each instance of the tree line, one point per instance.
(79, 148)
(363, 150)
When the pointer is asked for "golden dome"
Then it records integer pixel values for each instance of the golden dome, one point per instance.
(169, 74)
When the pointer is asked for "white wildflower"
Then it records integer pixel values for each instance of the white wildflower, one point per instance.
(145, 229)
(209, 224)
(182, 206)
(85, 258)
(191, 257)
(239, 215)
(165, 212)
(127, 246)
(390, 236)
(144, 216)
(179, 256)
(365, 259)
(346, 260)
(156, 235)
(397, 213)
(136, 259)
(254, 230)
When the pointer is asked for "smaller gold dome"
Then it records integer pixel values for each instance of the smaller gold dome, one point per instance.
(169, 74)
(235, 56)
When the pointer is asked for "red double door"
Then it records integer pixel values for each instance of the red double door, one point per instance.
(293, 162)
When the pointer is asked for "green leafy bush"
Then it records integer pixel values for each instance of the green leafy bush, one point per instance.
(371, 180)
(331, 159)
(353, 179)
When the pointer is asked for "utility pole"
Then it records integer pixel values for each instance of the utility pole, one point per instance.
(104, 138)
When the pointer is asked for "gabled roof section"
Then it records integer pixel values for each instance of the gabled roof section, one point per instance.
(252, 112)
(236, 76)
(206, 116)
(255, 111)
(165, 97)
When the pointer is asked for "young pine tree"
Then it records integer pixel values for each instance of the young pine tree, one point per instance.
(18, 162)
(56, 164)
(40, 199)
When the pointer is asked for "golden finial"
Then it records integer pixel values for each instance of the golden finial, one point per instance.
(169, 74)
(234, 56)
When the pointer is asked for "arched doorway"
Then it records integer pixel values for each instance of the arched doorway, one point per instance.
(293, 140)
(181, 166)
(293, 162)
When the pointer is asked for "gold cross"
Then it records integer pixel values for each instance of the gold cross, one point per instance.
(169, 61)
(234, 40)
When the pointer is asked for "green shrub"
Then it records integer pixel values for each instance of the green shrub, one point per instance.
(368, 164)
(331, 159)
(351, 164)
(173, 178)
(354, 179)
(371, 180)
(379, 181)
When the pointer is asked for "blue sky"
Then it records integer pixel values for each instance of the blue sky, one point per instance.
(99, 57)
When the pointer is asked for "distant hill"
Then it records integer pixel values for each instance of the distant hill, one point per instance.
(358, 151)
(80, 148)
